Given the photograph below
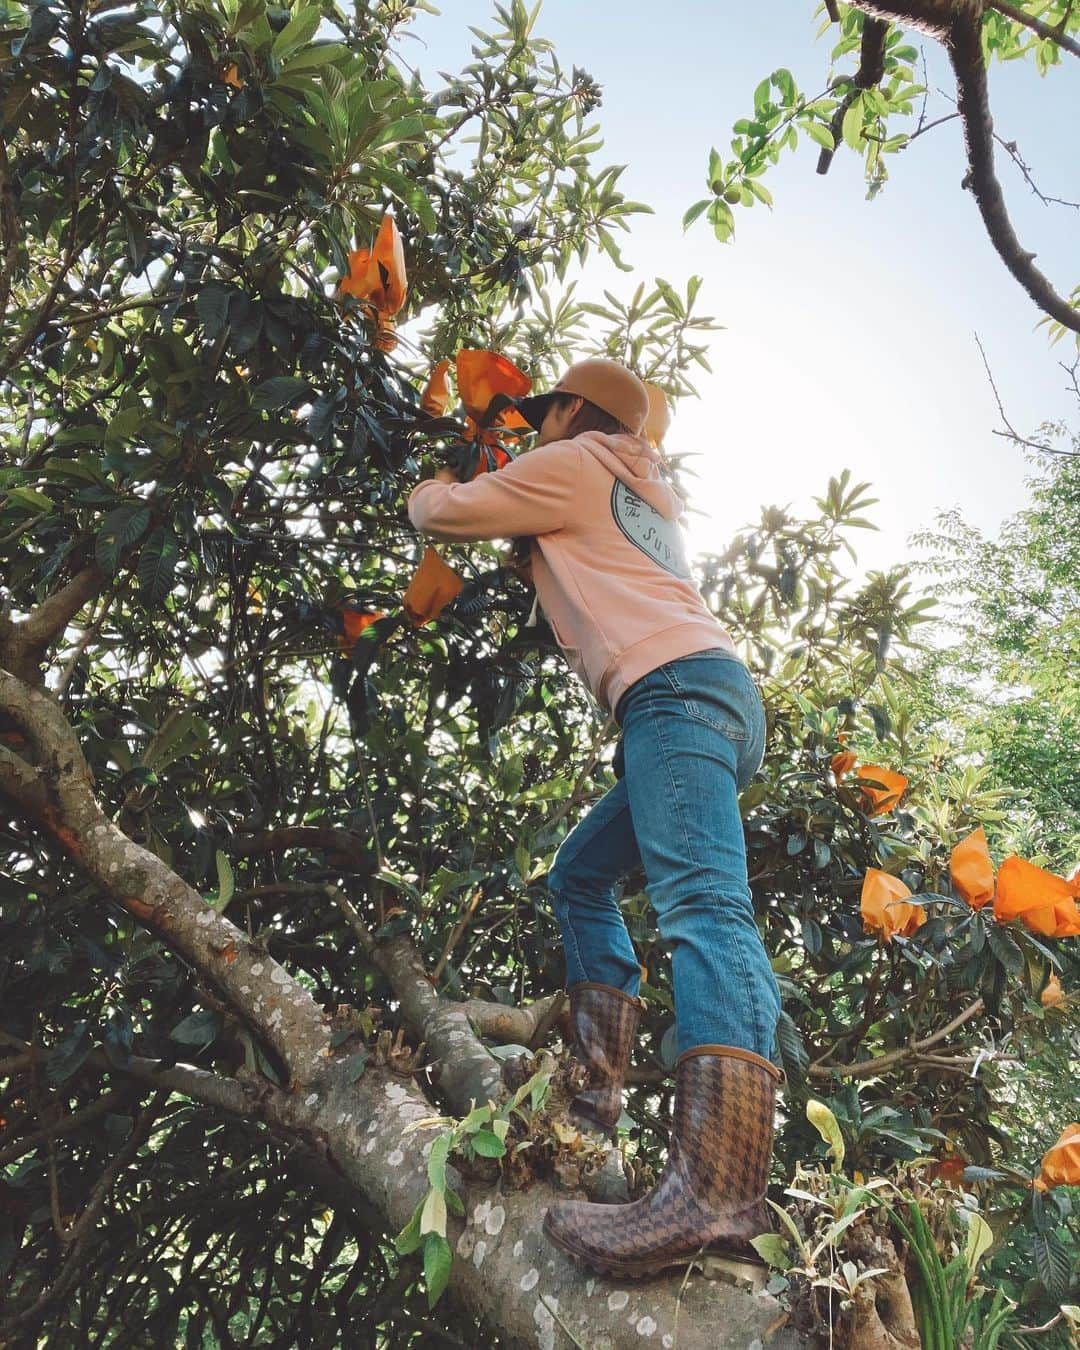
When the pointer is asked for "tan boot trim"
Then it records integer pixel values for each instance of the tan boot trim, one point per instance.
(635, 999)
(731, 1052)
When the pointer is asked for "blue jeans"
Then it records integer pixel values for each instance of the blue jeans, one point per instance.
(693, 737)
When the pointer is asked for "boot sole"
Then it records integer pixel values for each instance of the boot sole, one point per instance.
(741, 1271)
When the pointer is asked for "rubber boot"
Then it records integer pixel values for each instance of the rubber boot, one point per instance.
(604, 1022)
(710, 1199)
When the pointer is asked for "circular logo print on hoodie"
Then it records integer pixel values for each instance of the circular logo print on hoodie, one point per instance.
(648, 530)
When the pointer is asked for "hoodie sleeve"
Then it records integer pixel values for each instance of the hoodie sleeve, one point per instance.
(534, 494)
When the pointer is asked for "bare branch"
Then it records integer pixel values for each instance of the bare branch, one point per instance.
(1010, 433)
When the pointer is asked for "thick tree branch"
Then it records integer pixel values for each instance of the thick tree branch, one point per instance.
(22, 784)
(400, 963)
(23, 645)
(347, 844)
(1044, 30)
(870, 72)
(279, 1009)
(504, 1270)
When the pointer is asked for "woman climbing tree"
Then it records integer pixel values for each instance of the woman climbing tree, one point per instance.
(612, 577)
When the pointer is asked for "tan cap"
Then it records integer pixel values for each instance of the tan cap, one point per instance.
(608, 384)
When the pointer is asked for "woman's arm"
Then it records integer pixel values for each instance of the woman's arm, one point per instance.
(532, 495)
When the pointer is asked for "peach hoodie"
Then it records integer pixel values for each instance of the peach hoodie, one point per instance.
(608, 558)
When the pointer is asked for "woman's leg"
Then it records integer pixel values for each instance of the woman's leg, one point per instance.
(594, 856)
(693, 733)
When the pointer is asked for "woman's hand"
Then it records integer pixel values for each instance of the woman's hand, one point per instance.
(445, 475)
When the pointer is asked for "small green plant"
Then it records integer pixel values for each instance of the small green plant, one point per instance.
(944, 1304)
(840, 1258)
(480, 1134)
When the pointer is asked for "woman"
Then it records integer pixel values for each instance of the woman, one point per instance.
(612, 577)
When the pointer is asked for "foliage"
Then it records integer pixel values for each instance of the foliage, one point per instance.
(480, 1134)
(1004, 688)
(203, 433)
(847, 1250)
(882, 106)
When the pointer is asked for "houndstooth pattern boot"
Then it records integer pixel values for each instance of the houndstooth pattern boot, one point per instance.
(710, 1198)
(605, 1022)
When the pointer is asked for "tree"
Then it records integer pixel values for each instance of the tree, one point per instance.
(271, 893)
(860, 109)
(1005, 688)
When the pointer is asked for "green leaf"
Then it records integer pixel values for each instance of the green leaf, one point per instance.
(408, 192)
(851, 128)
(279, 392)
(980, 1236)
(1005, 948)
(818, 131)
(436, 1165)
(120, 530)
(299, 31)
(212, 308)
(1053, 1262)
(433, 1215)
(695, 211)
(437, 1261)
(70, 1053)
(123, 426)
(721, 219)
(793, 1052)
(772, 1249)
(409, 1238)
(226, 883)
(157, 565)
(318, 54)
(198, 1028)
(27, 496)
(488, 1145)
(356, 1064)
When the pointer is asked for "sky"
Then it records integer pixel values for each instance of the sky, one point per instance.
(849, 325)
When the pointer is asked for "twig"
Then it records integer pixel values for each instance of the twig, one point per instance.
(678, 1306)
(1040, 1331)
(924, 127)
(1010, 433)
(871, 1067)
(555, 1313)
(455, 936)
(595, 751)
(548, 1020)
(87, 636)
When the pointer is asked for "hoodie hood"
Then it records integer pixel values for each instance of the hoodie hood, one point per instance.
(637, 464)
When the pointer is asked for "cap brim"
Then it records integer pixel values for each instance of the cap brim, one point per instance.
(535, 408)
